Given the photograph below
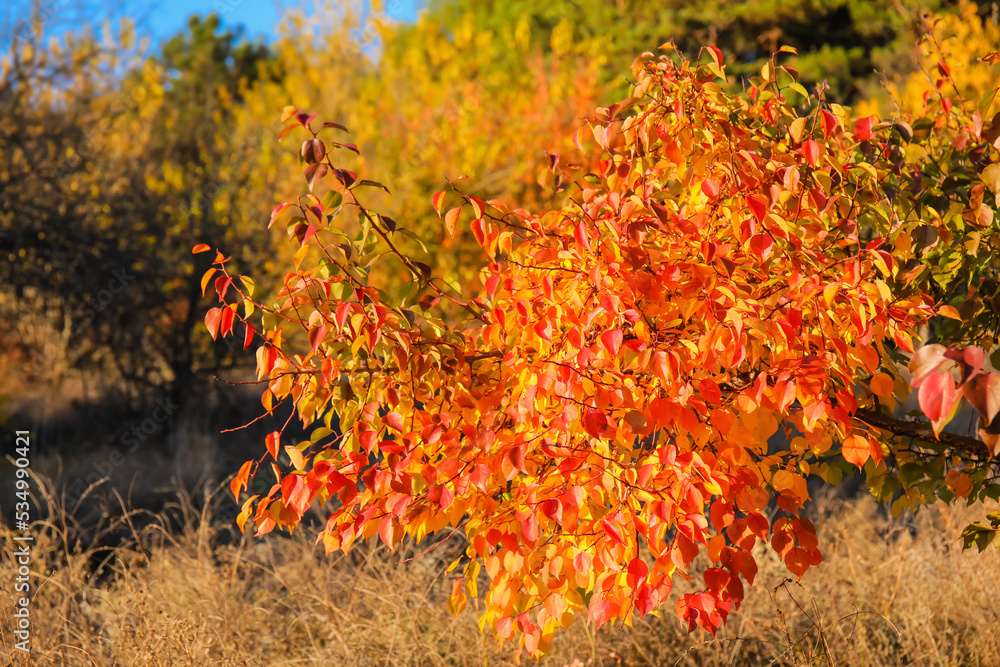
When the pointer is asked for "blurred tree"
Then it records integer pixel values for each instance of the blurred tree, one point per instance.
(424, 103)
(109, 179)
(202, 174)
(59, 108)
(843, 42)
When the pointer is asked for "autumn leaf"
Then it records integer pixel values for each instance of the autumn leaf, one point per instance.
(936, 397)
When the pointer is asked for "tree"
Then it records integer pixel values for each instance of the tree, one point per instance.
(438, 102)
(848, 44)
(649, 371)
(114, 165)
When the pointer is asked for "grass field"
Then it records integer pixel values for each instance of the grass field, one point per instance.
(182, 587)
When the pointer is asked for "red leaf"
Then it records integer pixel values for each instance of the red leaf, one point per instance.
(784, 393)
(276, 212)
(304, 119)
(226, 324)
(810, 150)
(936, 397)
(612, 341)
(316, 336)
(581, 236)
(797, 561)
(201, 247)
(983, 393)
(637, 571)
(595, 422)
(902, 339)
(971, 358)
(505, 627)
(387, 531)
(240, 481)
(340, 316)
(529, 529)
(394, 420)
(710, 188)
(552, 508)
(314, 173)
(757, 206)
(516, 458)
(716, 54)
(829, 122)
(491, 284)
(437, 199)
(601, 611)
(612, 531)
(761, 246)
(814, 411)
(479, 232)
(661, 366)
(478, 207)
(863, 128)
(716, 579)
(645, 599)
(222, 284)
(661, 213)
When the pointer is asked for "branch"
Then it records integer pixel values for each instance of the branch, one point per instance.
(917, 430)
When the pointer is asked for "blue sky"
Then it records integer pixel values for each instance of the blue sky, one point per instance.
(259, 16)
(163, 18)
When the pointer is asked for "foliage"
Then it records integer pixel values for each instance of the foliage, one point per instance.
(119, 160)
(958, 38)
(846, 44)
(438, 102)
(735, 268)
(60, 189)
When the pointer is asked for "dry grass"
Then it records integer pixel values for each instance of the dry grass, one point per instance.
(188, 590)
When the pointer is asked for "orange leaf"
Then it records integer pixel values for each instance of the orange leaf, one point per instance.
(437, 199)
(272, 442)
(212, 319)
(451, 220)
(882, 384)
(855, 449)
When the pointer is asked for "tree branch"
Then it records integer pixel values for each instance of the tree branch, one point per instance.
(919, 431)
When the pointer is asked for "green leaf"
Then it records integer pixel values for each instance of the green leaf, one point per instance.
(332, 199)
(979, 535)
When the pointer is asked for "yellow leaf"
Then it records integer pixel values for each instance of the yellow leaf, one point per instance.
(829, 293)
(991, 178)
(797, 128)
